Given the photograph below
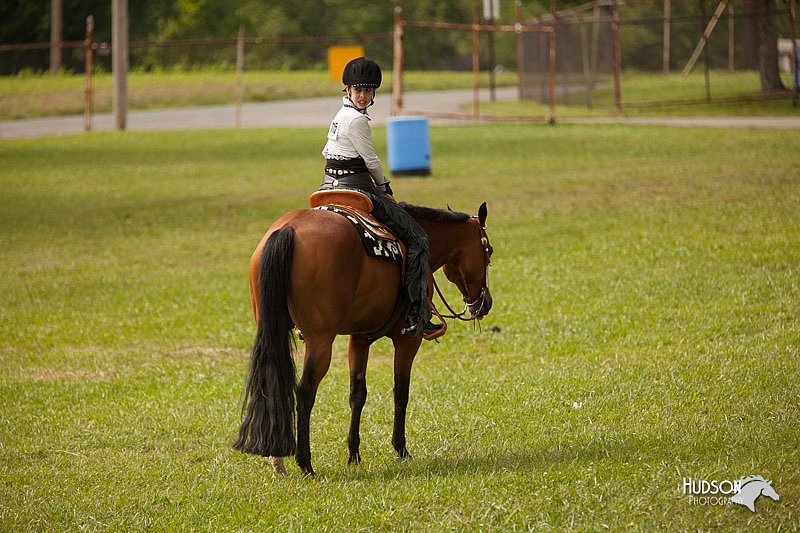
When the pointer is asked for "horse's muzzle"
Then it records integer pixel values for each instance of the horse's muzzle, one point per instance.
(482, 305)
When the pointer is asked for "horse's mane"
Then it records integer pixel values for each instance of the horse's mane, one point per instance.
(434, 215)
(746, 480)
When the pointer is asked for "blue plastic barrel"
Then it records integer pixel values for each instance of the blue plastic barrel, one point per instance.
(408, 143)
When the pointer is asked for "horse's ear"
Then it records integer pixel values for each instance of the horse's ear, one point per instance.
(482, 212)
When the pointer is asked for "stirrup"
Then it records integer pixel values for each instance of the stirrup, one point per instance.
(431, 334)
(436, 333)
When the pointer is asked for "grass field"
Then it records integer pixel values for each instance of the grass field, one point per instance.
(641, 93)
(644, 330)
(36, 95)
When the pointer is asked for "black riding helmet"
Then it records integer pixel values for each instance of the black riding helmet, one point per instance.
(362, 72)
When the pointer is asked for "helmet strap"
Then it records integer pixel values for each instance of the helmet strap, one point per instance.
(362, 111)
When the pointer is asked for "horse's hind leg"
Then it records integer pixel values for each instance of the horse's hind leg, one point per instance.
(405, 349)
(357, 353)
(316, 362)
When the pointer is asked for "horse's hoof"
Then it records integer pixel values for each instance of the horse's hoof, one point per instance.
(403, 454)
(278, 468)
(308, 471)
(354, 459)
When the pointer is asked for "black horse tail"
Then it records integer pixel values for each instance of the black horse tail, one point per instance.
(268, 407)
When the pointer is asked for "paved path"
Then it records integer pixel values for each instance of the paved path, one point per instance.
(314, 112)
(317, 113)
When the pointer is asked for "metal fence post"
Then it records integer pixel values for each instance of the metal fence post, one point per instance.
(615, 56)
(476, 63)
(239, 71)
(553, 44)
(87, 85)
(795, 59)
(398, 60)
(666, 45)
(56, 34)
(490, 40)
(585, 61)
(520, 50)
(119, 62)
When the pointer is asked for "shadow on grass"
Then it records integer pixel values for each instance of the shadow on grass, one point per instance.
(532, 461)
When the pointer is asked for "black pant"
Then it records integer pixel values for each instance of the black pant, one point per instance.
(407, 230)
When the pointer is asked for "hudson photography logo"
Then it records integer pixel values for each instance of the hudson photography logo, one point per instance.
(744, 491)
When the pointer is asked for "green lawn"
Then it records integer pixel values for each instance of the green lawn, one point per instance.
(654, 94)
(35, 95)
(645, 330)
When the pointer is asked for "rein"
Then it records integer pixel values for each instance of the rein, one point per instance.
(458, 316)
(481, 297)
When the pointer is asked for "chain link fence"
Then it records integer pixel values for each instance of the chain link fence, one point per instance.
(668, 53)
(177, 73)
(583, 59)
(609, 57)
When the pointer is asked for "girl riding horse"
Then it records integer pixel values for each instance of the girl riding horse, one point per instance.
(352, 163)
(291, 285)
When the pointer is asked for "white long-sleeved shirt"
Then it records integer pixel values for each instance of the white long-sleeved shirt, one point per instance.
(349, 137)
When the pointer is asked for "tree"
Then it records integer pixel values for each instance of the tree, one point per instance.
(768, 47)
(749, 35)
(760, 42)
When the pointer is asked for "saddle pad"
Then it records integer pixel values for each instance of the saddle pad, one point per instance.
(377, 240)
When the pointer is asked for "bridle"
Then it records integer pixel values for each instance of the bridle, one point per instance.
(480, 301)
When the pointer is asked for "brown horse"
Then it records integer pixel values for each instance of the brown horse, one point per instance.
(310, 271)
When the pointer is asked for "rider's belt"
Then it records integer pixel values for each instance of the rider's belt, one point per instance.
(339, 172)
(361, 181)
(351, 165)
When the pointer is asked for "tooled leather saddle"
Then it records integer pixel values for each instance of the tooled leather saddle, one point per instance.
(378, 240)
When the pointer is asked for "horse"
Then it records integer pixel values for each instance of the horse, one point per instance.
(310, 273)
(750, 488)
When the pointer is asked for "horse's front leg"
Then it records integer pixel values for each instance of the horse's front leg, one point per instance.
(405, 349)
(357, 354)
(316, 362)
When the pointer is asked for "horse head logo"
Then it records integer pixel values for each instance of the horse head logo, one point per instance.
(750, 488)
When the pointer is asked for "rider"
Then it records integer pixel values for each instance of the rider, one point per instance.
(352, 163)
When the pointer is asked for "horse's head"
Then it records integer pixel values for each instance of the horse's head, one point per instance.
(768, 491)
(750, 488)
(469, 267)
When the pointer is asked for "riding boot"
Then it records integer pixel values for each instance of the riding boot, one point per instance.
(433, 331)
(422, 326)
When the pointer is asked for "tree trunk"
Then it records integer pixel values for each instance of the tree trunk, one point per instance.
(768, 47)
(749, 33)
